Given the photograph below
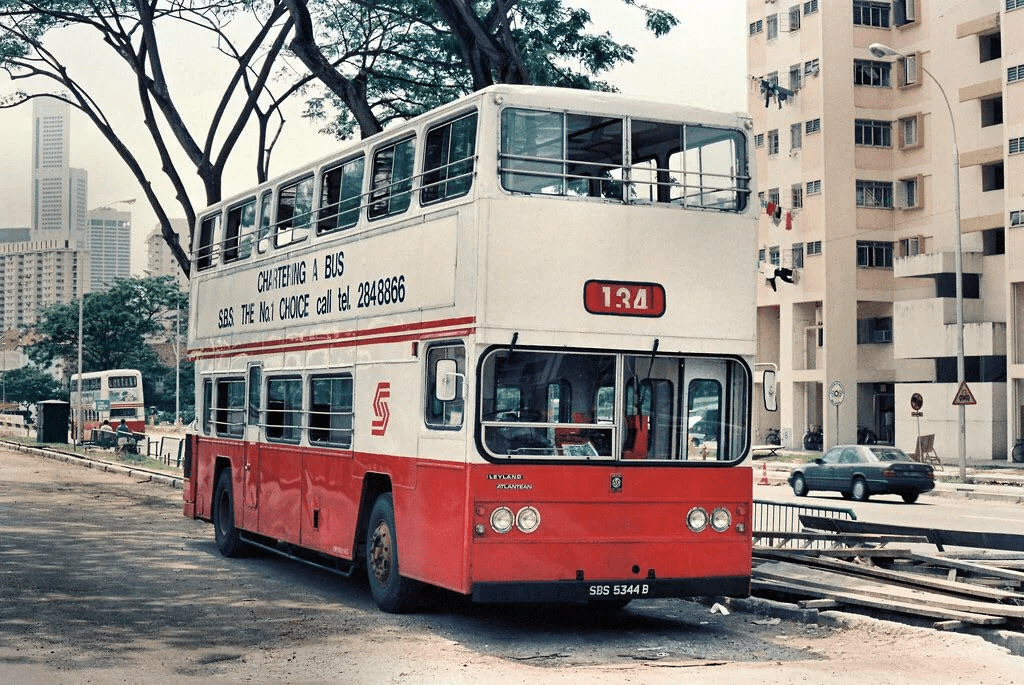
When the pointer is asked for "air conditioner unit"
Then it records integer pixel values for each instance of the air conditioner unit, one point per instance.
(813, 70)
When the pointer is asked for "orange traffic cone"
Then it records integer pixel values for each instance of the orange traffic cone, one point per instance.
(764, 474)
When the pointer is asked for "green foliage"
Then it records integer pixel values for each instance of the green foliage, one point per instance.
(412, 62)
(30, 384)
(116, 326)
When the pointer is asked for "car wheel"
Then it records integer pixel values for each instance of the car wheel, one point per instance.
(859, 489)
(799, 485)
(910, 497)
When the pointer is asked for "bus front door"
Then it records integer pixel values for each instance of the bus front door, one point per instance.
(251, 451)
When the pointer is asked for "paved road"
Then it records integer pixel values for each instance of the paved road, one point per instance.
(102, 580)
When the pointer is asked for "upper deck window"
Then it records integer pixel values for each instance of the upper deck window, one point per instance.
(266, 207)
(209, 228)
(239, 231)
(555, 153)
(449, 160)
(340, 194)
(689, 164)
(391, 186)
(294, 212)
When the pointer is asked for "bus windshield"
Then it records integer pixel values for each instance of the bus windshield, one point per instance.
(604, 406)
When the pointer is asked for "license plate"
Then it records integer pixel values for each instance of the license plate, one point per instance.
(616, 590)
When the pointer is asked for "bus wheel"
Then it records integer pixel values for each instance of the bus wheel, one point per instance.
(392, 593)
(224, 531)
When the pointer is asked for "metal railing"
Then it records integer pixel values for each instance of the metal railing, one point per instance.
(784, 518)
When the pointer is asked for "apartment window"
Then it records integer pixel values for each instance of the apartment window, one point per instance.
(794, 77)
(773, 195)
(797, 254)
(1016, 145)
(990, 47)
(795, 138)
(796, 192)
(868, 72)
(811, 6)
(812, 126)
(774, 256)
(874, 331)
(813, 247)
(910, 247)
(760, 256)
(773, 27)
(866, 13)
(874, 194)
(773, 142)
(812, 67)
(909, 128)
(909, 193)
(814, 187)
(758, 140)
(872, 133)
(756, 27)
(992, 111)
(1014, 74)
(904, 11)
(1014, 4)
(992, 176)
(1017, 217)
(874, 254)
(908, 70)
(794, 18)
(993, 242)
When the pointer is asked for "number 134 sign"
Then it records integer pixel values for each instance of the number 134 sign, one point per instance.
(623, 298)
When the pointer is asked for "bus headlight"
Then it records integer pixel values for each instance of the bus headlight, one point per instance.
(721, 519)
(502, 520)
(528, 519)
(697, 519)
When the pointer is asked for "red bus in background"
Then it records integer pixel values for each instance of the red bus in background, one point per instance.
(109, 396)
(504, 348)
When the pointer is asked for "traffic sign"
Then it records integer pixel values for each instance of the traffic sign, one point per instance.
(916, 401)
(836, 393)
(964, 395)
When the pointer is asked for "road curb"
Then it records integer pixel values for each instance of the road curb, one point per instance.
(101, 465)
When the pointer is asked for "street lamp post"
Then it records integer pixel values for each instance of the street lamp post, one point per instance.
(878, 50)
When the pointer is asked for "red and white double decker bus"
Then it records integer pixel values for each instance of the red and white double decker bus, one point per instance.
(504, 348)
(110, 396)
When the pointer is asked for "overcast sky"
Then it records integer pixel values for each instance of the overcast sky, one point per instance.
(701, 63)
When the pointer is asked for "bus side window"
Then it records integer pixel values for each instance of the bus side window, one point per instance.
(294, 212)
(238, 232)
(207, 406)
(263, 236)
(340, 196)
(330, 411)
(229, 413)
(391, 184)
(284, 409)
(255, 394)
(445, 412)
(449, 160)
(209, 228)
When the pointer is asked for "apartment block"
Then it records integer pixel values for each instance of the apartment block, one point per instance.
(109, 241)
(36, 275)
(878, 168)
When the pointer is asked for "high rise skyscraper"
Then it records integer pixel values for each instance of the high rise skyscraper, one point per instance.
(59, 193)
(110, 247)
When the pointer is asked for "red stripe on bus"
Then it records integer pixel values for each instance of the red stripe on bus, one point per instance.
(417, 331)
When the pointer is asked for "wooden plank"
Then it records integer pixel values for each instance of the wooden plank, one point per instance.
(883, 591)
(937, 536)
(817, 603)
(981, 569)
(894, 607)
(906, 577)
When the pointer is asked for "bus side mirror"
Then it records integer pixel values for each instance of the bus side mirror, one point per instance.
(447, 379)
(770, 390)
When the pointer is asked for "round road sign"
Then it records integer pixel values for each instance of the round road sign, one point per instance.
(916, 401)
(836, 393)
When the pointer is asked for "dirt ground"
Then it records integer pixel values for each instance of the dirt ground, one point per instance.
(102, 581)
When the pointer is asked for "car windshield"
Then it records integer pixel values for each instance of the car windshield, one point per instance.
(888, 454)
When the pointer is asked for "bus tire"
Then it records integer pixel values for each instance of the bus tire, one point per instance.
(392, 593)
(224, 532)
